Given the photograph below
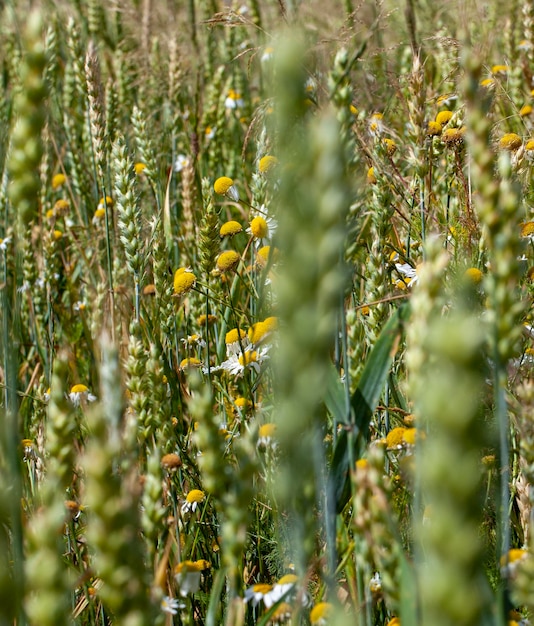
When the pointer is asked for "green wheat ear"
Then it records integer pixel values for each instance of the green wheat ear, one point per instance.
(27, 148)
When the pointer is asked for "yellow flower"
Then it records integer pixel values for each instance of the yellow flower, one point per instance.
(224, 186)
(453, 136)
(267, 163)
(391, 146)
(394, 622)
(263, 255)
(395, 437)
(61, 207)
(353, 110)
(320, 613)
(57, 234)
(103, 202)
(58, 180)
(202, 320)
(371, 178)
(510, 141)
(487, 82)
(525, 110)
(409, 436)
(266, 434)
(139, 168)
(474, 274)
(443, 117)
(500, 69)
(192, 500)
(184, 281)
(190, 362)
(230, 228)
(529, 145)
(236, 341)
(228, 261)
(99, 214)
(259, 227)
(433, 129)
(527, 229)
(242, 403)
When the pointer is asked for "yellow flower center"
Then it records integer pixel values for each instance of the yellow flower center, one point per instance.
(443, 117)
(58, 180)
(228, 261)
(222, 185)
(183, 281)
(510, 141)
(230, 228)
(259, 228)
(246, 358)
(195, 495)
(267, 163)
(79, 388)
(235, 335)
(267, 431)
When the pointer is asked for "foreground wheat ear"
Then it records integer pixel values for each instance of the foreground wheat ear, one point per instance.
(266, 335)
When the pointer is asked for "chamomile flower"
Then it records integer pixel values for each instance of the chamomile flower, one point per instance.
(267, 55)
(209, 132)
(180, 162)
(190, 363)
(4, 243)
(233, 100)
(170, 605)
(256, 593)
(376, 124)
(510, 141)
(375, 584)
(267, 163)
(231, 228)
(192, 501)
(320, 613)
(266, 435)
(58, 180)
(80, 392)
(228, 261)
(224, 186)
(284, 588)
(139, 168)
(194, 340)
(237, 364)
(184, 281)
(236, 341)
(408, 272)
(187, 575)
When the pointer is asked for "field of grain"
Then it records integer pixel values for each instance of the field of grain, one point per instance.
(266, 313)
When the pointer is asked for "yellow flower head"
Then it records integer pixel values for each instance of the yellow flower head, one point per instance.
(443, 117)
(395, 437)
(61, 207)
(190, 362)
(57, 234)
(371, 178)
(184, 281)
(259, 227)
(409, 436)
(529, 146)
(266, 431)
(79, 388)
(103, 202)
(525, 110)
(263, 254)
(228, 229)
(58, 180)
(139, 168)
(433, 129)
(474, 275)
(510, 141)
(235, 336)
(394, 622)
(204, 319)
(487, 82)
(353, 110)
(195, 495)
(390, 146)
(192, 566)
(453, 136)
(228, 261)
(500, 69)
(320, 613)
(224, 186)
(267, 163)
(527, 229)
(246, 358)
(242, 403)
(99, 214)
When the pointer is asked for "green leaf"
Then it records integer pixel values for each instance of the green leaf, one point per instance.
(215, 596)
(351, 442)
